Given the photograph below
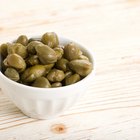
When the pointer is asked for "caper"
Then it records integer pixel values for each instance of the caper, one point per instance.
(83, 57)
(56, 75)
(46, 54)
(2, 66)
(41, 82)
(32, 60)
(32, 73)
(62, 64)
(12, 74)
(59, 52)
(57, 84)
(34, 39)
(1, 62)
(48, 67)
(31, 46)
(3, 49)
(50, 39)
(15, 61)
(82, 67)
(22, 39)
(18, 49)
(68, 74)
(72, 79)
(72, 51)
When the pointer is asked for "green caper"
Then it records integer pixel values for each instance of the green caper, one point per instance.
(15, 61)
(83, 57)
(56, 75)
(82, 67)
(72, 79)
(62, 64)
(50, 39)
(32, 60)
(3, 49)
(2, 66)
(12, 74)
(57, 84)
(72, 51)
(46, 54)
(31, 46)
(22, 39)
(68, 74)
(18, 49)
(32, 73)
(1, 62)
(34, 39)
(59, 52)
(41, 82)
(48, 67)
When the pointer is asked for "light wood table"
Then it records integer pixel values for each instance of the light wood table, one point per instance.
(110, 110)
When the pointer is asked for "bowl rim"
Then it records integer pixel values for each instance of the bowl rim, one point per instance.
(92, 73)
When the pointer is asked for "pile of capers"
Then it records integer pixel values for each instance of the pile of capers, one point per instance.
(43, 62)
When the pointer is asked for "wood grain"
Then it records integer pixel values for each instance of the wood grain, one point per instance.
(111, 108)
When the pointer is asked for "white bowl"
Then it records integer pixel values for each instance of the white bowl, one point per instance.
(44, 103)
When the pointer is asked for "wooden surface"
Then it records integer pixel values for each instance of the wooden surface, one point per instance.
(111, 108)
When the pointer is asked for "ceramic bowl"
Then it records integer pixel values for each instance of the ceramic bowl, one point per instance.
(44, 103)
